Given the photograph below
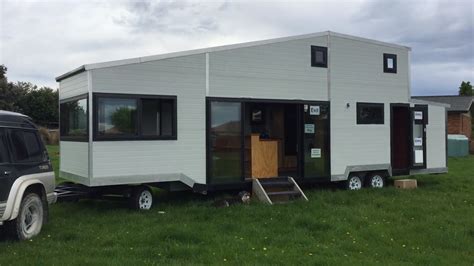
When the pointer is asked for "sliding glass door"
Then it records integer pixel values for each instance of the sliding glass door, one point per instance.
(315, 155)
(225, 142)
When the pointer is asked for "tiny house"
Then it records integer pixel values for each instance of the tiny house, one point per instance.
(316, 107)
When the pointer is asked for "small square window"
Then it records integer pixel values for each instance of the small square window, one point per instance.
(390, 63)
(319, 56)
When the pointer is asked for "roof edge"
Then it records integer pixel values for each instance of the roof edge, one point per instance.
(143, 59)
(71, 73)
(412, 100)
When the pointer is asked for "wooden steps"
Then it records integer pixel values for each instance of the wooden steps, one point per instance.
(277, 190)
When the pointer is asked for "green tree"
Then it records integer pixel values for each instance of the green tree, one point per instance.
(9, 94)
(41, 104)
(465, 89)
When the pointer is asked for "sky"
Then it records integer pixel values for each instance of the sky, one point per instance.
(40, 40)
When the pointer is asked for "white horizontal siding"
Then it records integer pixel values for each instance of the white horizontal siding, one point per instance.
(73, 86)
(74, 158)
(183, 77)
(436, 137)
(278, 71)
(357, 76)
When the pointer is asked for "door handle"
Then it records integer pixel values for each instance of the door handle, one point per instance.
(7, 172)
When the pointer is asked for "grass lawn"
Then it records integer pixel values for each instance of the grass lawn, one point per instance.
(433, 224)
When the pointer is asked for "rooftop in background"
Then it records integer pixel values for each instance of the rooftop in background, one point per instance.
(458, 103)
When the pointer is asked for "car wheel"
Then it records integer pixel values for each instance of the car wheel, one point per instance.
(376, 181)
(354, 182)
(141, 198)
(30, 218)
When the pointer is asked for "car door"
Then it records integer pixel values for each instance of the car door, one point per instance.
(7, 171)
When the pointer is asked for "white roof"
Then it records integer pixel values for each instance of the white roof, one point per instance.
(143, 59)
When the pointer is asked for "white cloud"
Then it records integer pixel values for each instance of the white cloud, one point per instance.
(42, 39)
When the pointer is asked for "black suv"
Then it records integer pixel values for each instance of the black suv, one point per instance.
(26, 177)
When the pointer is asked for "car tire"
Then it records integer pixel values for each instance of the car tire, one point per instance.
(141, 198)
(354, 182)
(376, 180)
(30, 218)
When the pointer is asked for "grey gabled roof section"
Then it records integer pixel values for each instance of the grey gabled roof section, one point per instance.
(457, 103)
(138, 60)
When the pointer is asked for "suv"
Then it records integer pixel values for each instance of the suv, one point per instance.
(26, 177)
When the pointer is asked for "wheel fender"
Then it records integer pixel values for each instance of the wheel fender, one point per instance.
(16, 195)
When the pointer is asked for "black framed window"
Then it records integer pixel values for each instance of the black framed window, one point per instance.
(74, 119)
(134, 117)
(26, 146)
(370, 113)
(390, 63)
(319, 56)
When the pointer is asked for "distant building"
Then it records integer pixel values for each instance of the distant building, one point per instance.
(460, 114)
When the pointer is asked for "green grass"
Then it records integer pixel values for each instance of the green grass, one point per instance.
(432, 225)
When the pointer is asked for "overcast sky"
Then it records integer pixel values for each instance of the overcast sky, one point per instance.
(43, 39)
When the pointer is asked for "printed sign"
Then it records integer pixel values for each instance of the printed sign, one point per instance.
(305, 108)
(315, 153)
(419, 156)
(309, 128)
(418, 142)
(314, 110)
(418, 115)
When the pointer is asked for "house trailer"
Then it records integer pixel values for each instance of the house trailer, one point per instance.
(316, 107)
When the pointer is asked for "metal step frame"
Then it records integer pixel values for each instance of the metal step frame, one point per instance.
(262, 189)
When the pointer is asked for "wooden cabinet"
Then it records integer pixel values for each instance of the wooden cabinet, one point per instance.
(264, 157)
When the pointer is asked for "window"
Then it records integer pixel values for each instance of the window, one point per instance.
(26, 146)
(74, 119)
(3, 148)
(157, 117)
(319, 56)
(134, 117)
(370, 113)
(117, 117)
(390, 63)
(225, 135)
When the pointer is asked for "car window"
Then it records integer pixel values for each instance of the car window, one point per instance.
(3, 148)
(26, 146)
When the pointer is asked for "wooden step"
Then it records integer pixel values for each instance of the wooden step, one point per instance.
(284, 193)
(277, 184)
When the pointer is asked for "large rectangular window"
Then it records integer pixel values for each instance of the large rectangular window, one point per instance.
(370, 113)
(74, 119)
(134, 117)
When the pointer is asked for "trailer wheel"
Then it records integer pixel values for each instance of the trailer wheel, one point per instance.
(354, 182)
(376, 181)
(30, 218)
(141, 198)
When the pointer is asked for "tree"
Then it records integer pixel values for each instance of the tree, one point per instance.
(9, 94)
(465, 89)
(41, 104)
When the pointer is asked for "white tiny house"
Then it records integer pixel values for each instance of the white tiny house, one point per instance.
(316, 107)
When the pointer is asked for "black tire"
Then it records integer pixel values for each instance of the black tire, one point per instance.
(376, 180)
(30, 220)
(354, 182)
(141, 198)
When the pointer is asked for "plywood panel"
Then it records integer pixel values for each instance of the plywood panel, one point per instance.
(264, 157)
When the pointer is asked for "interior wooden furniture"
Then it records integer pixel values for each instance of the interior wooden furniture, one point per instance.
(264, 157)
